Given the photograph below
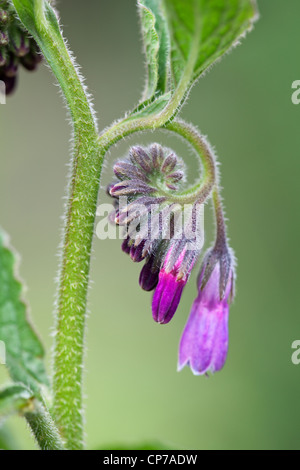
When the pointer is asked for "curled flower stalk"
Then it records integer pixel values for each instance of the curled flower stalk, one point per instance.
(149, 204)
(169, 220)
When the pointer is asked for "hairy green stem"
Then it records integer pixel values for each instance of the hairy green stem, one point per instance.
(43, 428)
(75, 263)
(127, 126)
(202, 189)
(219, 214)
(41, 21)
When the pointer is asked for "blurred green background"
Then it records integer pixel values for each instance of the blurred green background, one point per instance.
(244, 106)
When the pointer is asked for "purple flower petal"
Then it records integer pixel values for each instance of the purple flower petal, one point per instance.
(166, 297)
(204, 343)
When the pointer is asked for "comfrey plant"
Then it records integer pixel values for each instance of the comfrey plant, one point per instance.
(161, 218)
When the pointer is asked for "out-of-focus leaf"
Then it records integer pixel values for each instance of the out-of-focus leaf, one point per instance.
(7, 440)
(24, 351)
(13, 399)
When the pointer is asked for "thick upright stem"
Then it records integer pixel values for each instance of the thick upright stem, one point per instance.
(72, 294)
(75, 262)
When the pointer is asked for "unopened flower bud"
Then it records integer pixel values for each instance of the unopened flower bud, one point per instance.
(10, 83)
(222, 256)
(4, 17)
(3, 56)
(140, 157)
(169, 257)
(16, 47)
(169, 163)
(11, 68)
(4, 39)
(172, 279)
(19, 42)
(149, 275)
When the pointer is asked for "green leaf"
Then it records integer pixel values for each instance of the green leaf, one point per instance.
(149, 108)
(14, 398)
(151, 44)
(156, 44)
(24, 352)
(183, 39)
(201, 31)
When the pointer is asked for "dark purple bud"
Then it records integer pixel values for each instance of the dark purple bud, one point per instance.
(138, 208)
(149, 275)
(108, 189)
(126, 245)
(150, 223)
(171, 186)
(157, 154)
(4, 40)
(131, 187)
(145, 166)
(3, 57)
(176, 176)
(141, 206)
(20, 43)
(11, 68)
(124, 170)
(31, 61)
(140, 156)
(10, 83)
(139, 230)
(129, 214)
(169, 163)
(136, 252)
(4, 17)
(16, 47)
(145, 201)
